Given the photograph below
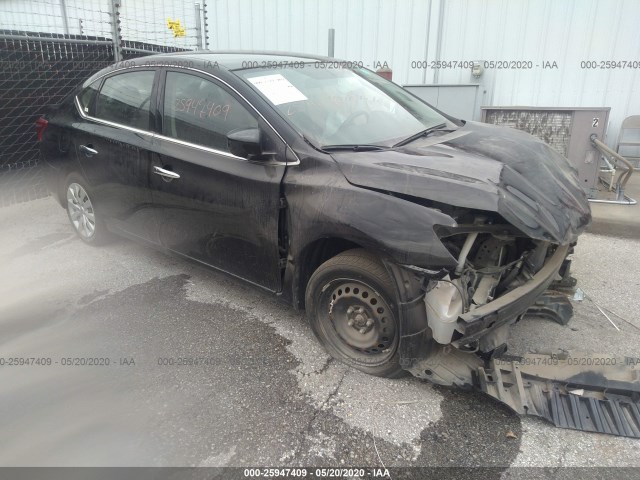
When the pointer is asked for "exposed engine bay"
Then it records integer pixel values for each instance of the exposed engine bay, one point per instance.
(492, 260)
(500, 275)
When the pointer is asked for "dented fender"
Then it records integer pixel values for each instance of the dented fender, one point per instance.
(322, 204)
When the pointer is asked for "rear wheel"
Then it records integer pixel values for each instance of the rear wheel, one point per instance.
(351, 305)
(81, 211)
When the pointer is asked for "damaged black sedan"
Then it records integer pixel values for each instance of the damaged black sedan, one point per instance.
(398, 228)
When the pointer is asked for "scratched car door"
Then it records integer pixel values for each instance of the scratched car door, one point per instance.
(213, 206)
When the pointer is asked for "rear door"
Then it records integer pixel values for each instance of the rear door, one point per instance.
(219, 209)
(113, 149)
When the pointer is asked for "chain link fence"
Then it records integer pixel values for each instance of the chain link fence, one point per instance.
(48, 47)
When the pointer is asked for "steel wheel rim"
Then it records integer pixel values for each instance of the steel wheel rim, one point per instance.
(361, 323)
(81, 211)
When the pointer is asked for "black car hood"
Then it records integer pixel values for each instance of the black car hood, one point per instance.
(482, 167)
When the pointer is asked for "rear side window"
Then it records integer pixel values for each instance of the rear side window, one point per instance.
(201, 112)
(125, 99)
(87, 96)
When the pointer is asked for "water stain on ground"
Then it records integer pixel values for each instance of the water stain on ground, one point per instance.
(239, 396)
(90, 297)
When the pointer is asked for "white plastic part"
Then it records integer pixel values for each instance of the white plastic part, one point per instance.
(444, 306)
(468, 243)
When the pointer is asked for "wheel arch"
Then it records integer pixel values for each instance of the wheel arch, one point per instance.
(314, 254)
(64, 173)
(415, 334)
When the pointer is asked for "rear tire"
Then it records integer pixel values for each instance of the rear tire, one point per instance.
(350, 301)
(84, 219)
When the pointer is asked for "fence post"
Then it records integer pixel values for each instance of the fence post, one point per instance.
(198, 27)
(65, 19)
(332, 41)
(206, 25)
(115, 30)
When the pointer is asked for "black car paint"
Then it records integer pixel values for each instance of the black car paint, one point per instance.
(119, 176)
(305, 205)
(483, 167)
(223, 211)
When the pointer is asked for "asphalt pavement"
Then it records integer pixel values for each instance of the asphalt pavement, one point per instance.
(151, 360)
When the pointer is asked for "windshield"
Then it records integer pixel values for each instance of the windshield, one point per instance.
(340, 106)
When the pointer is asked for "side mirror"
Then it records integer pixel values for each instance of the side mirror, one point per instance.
(245, 143)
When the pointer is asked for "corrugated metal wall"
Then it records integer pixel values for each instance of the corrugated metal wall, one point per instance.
(402, 31)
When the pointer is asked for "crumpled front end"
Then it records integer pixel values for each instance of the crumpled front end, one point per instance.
(559, 218)
(500, 272)
(485, 168)
(516, 207)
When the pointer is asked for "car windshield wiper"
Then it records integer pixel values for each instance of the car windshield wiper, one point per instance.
(423, 133)
(353, 147)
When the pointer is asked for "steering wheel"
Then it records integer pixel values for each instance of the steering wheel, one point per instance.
(353, 116)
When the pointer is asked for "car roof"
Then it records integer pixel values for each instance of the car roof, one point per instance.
(228, 60)
(238, 59)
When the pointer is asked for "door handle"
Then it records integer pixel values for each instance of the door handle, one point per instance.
(88, 151)
(165, 173)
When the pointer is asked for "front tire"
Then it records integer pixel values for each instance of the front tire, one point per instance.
(81, 211)
(351, 306)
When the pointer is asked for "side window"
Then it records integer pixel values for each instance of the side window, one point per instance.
(87, 96)
(125, 99)
(201, 112)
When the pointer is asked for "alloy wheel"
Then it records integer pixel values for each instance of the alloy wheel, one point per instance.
(81, 210)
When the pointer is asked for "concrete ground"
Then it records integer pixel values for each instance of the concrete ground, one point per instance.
(267, 394)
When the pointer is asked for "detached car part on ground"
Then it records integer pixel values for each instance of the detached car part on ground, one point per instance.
(413, 239)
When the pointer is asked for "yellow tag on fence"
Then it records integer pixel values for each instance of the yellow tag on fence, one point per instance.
(176, 27)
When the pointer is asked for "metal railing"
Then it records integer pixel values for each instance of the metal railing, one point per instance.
(615, 162)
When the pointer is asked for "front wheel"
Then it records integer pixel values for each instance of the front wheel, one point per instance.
(351, 306)
(81, 211)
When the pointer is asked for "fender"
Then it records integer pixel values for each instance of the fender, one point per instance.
(322, 204)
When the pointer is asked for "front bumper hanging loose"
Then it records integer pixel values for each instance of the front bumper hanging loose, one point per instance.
(574, 390)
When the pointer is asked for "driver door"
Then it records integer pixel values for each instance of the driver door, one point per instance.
(212, 206)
